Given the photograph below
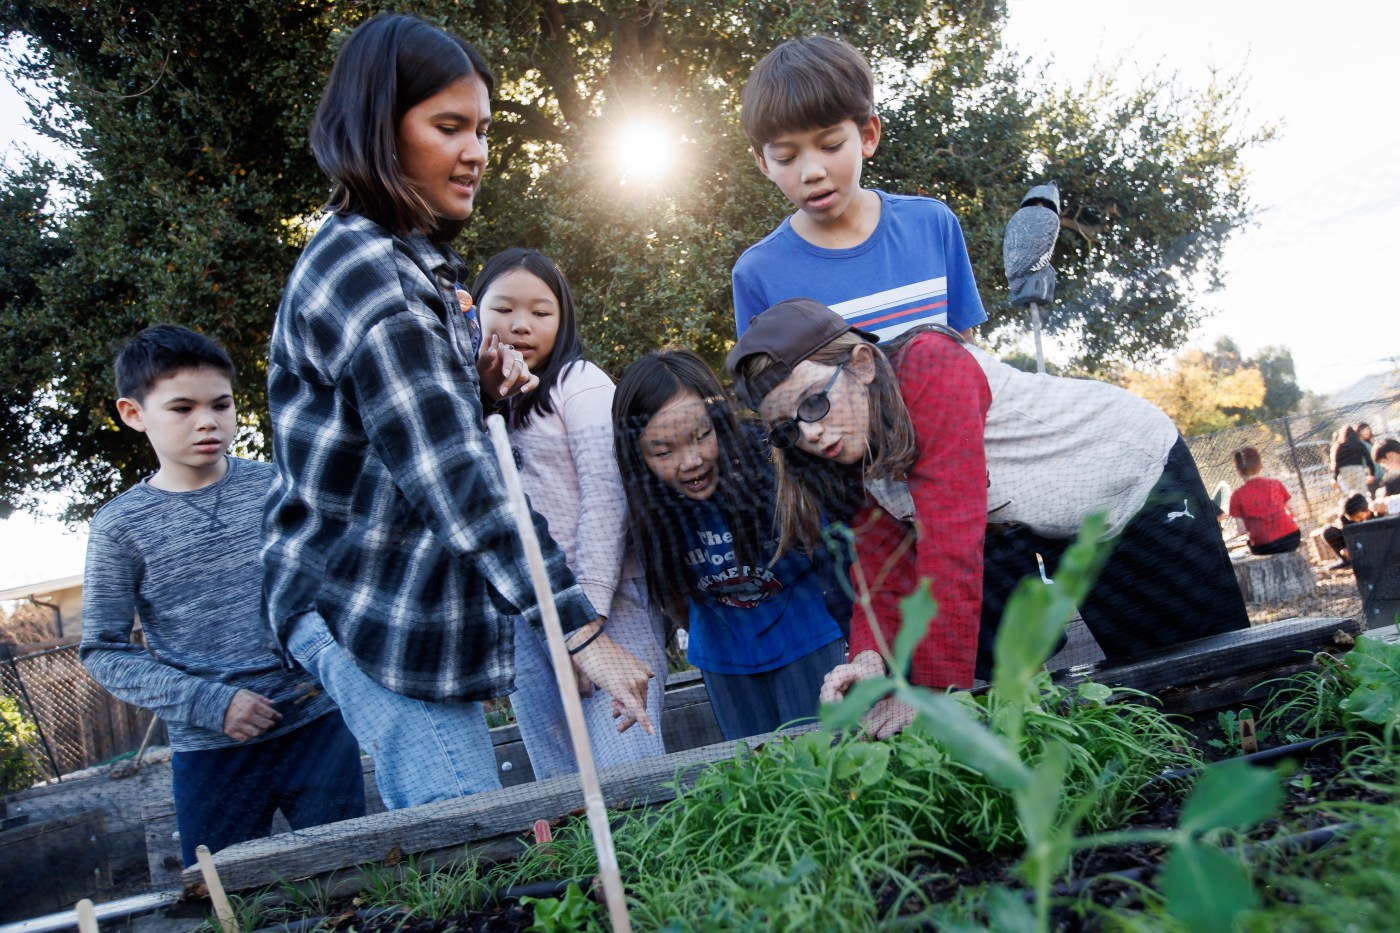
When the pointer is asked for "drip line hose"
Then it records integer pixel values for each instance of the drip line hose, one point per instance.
(1267, 756)
(1309, 841)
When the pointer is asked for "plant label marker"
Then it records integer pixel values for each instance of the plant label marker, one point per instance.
(87, 916)
(222, 909)
(1249, 742)
(568, 685)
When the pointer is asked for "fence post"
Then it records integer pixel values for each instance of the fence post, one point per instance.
(29, 703)
(1297, 470)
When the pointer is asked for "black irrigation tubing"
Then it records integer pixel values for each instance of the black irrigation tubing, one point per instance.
(1309, 841)
(1267, 756)
(310, 923)
(539, 889)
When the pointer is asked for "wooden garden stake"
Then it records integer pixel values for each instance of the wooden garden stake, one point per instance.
(87, 917)
(222, 909)
(1249, 742)
(568, 684)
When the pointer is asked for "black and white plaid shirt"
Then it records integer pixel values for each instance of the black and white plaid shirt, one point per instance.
(389, 514)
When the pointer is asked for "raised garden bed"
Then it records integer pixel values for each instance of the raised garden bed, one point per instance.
(1217, 674)
(1214, 675)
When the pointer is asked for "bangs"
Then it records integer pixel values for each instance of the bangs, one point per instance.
(806, 84)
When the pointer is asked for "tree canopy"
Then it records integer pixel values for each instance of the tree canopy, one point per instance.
(1210, 390)
(198, 182)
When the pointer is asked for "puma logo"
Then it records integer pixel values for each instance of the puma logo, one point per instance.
(1184, 513)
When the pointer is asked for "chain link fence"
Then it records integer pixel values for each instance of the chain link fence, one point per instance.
(1297, 451)
(79, 723)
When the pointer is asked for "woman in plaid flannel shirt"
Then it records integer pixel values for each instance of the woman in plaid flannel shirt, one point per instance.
(393, 570)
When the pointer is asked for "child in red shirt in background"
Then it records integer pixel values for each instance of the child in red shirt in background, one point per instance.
(1262, 504)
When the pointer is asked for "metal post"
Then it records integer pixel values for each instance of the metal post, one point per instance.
(38, 722)
(1035, 325)
(1297, 470)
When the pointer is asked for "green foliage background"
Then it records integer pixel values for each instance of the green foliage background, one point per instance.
(17, 769)
(197, 182)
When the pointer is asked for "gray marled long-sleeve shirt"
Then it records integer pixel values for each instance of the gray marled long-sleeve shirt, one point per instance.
(188, 564)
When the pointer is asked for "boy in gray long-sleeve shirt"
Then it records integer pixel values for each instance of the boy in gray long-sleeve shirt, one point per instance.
(181, 550)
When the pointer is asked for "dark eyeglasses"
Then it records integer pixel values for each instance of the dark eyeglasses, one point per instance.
(813, 408)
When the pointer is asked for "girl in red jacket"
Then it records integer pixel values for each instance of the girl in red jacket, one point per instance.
(1262, 504)
(973, 474)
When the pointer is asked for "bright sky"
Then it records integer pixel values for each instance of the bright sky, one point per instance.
(1328, 187)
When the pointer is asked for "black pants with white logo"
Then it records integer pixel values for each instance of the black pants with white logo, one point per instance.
(1168, 579)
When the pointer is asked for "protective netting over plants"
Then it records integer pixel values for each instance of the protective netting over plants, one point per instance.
(726, 553)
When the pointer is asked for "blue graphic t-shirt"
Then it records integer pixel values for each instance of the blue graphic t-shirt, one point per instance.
(746, 619)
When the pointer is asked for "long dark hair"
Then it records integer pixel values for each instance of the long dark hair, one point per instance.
(568, 349)
(660, 517)
(390, 64)
(1344, 437)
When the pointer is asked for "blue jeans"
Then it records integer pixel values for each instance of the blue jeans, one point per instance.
(229, 795)
(756, 704)
(540, 711)
(422, 751)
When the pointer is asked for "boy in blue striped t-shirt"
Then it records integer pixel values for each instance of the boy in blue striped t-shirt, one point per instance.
(884, 262)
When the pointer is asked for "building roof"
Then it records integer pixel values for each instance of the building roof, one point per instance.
(26, 590)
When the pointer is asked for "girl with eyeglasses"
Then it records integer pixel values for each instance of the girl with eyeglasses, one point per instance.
(700, 507)
(973, 474)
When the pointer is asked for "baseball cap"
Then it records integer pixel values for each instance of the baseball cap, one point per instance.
(788, 332)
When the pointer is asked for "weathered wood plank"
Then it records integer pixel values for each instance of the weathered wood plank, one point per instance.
(448, 824)
(1245, 689)
(686, 723)
(46, 866)
(163, 859)
(1212, 658)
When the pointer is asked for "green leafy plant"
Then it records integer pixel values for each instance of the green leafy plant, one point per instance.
(17, 733)
(1036, 615)
(575, 912)
(1349, 885)
(1200, 889)
(1347, 693)
(422, 892)
(1229, 722)
(1374, 666)
(1308, 704)
(254, 911)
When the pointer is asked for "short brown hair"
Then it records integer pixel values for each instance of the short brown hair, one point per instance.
(1247, 461)
(806, 84)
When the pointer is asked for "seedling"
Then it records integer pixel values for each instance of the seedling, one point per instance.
(575, 912)
(1240, 731)
(1205, 889)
